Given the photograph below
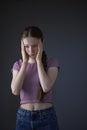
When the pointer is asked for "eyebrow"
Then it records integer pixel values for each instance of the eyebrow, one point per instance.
(32, 45)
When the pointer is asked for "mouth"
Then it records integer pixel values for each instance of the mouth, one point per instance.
(32, 54)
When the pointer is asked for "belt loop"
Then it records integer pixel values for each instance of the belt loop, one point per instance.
(40, 114)
(24, 112)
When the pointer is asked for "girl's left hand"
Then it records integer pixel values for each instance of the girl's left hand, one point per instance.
(40, 50)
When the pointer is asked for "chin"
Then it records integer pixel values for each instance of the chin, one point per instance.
(33, 57)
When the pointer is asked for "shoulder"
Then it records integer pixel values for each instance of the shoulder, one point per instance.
(52, 62)
(17, 64)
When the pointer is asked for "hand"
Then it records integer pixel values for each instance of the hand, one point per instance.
(40, 50)
(25, 56)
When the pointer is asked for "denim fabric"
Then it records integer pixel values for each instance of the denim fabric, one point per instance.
(37, 119)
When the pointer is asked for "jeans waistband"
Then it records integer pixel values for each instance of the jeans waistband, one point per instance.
(36, 112)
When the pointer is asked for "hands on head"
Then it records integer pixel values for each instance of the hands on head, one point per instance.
(37, 51)
(25, 56)
(40, 50)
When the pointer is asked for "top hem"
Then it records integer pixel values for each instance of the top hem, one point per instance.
(35, 101)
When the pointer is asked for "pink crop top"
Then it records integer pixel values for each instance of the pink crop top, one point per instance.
(31, 85)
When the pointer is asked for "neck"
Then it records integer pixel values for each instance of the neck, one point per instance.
(31, 60)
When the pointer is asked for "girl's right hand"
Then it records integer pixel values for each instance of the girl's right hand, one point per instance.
(25, 56)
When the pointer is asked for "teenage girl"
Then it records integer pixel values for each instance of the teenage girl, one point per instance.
(33, 77)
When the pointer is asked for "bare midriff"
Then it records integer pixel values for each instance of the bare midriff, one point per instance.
(36, 106)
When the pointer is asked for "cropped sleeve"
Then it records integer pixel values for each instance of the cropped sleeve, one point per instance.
(53, 62)
(16, 65)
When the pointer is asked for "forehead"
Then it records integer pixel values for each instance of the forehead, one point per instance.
(30, 40)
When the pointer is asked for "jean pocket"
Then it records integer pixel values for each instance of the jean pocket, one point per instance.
(20, 116)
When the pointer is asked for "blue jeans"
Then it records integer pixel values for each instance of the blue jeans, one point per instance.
(44, 119)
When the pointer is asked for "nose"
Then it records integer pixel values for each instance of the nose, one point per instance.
(31, 49)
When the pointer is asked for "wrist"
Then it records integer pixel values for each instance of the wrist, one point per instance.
(39, 61)
(24, 62)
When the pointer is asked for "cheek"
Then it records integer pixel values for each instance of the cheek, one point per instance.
(27, 50)
(36, 49)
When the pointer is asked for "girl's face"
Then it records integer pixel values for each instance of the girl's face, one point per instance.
(31, 46)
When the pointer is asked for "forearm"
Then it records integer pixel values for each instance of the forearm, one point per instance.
(17, 82)
(45, 81)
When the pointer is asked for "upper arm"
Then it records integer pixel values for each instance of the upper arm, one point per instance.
(52, 74)
(14, 74)
(15, 69)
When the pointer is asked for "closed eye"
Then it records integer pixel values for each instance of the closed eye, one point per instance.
(26, 46)
(34, 45)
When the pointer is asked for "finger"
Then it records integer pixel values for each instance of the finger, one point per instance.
(41, 45)
(22, 45)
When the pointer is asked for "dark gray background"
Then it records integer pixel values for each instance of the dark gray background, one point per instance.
(64, 25)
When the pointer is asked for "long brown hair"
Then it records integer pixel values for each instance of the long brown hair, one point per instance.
(33, 31)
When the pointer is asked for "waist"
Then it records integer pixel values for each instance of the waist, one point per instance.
(47, 113)
(43, 115)
(36, 106)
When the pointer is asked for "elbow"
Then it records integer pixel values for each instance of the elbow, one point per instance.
(14, 91)
(47, 88)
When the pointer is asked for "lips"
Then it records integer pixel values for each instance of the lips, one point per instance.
(32, 54)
